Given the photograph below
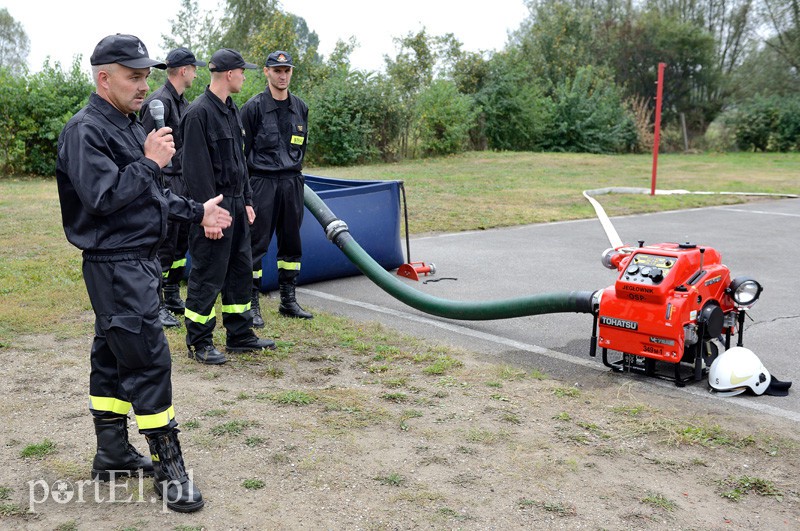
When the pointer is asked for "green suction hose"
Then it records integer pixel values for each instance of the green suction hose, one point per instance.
(336, 230)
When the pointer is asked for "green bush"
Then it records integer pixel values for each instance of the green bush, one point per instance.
(352, 119)
(34, 111)
(589, 116)
(444, 119)
(766, 123)
(516, 114)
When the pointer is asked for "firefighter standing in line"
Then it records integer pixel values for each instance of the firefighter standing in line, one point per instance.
(276, 130)
(181, 72)
(114, 208)
(213, 161)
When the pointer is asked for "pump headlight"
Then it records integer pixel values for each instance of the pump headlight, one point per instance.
(744, 291)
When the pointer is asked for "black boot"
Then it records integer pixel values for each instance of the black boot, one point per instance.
(207, 354)
(172, 299)
(171, 481)
(115, 455)
(289, 306)
(255, 309)
(168, 320)
(248, 343)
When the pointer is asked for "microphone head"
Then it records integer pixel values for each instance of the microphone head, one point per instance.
(156, 110)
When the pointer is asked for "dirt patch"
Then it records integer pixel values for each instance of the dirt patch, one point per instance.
(347, 437)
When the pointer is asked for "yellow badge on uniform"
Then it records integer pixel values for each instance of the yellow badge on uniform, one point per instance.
(298, 140)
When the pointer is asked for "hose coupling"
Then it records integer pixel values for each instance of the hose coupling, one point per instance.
(335, 228)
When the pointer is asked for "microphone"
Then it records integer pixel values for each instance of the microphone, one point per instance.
(157, 112)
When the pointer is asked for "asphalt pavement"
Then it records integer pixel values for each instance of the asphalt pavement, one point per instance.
(759, 239)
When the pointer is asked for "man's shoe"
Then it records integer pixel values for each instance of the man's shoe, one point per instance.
(248, 343)
(115, 455)
(288, 306)
(168, 320)
(171, 480)
(172, 299)
(207, 354)
(255, 310)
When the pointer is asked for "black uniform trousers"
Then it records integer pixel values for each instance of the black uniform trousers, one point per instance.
(220, 266)
(172, 253)
(278, 203)
(130, 358)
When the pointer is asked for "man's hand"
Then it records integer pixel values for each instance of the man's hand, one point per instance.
(251, 214)
(215, 218)
(159, 146)
(213, 233)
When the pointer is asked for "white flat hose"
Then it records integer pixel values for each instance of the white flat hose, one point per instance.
(608, 227)
(611, 232)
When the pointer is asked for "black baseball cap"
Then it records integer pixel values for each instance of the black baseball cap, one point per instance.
(126, 50)
(226, 59)
(182, 57)
(279, 58)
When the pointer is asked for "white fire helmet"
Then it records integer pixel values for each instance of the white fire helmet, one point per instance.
(736, 370)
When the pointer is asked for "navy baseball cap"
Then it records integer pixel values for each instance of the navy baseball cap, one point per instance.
(126, 50)
(279, 58)
(182, 57)
(226, 59)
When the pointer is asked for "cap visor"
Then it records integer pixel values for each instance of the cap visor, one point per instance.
(250, 66)
(144, 62)
(199, 63)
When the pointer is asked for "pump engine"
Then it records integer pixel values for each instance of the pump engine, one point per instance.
(673, 305)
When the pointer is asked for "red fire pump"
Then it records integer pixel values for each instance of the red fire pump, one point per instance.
(673, 305)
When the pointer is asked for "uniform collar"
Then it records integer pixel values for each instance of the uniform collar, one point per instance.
(122, 121)
(172, 91)
(270, 101)
(223, 106)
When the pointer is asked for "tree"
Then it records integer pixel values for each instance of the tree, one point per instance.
(556, 40)
(14, 44)
(197, 30)
(783, 17)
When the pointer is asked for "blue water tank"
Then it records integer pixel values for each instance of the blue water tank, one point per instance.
(371, 210)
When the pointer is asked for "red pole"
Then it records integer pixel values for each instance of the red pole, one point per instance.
(657, 130)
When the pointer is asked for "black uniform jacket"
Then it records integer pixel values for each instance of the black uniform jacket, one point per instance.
(213, 149)
(112, 198)
(174, 107)
(270, 154)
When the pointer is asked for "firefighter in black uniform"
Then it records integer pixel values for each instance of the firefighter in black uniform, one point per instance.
(181, 72)
(276, 130)
(213, 161)
(115, 209)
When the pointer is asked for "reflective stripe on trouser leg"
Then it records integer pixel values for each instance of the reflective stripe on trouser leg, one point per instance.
(156, 420)
(107, 404)
(257, 276)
